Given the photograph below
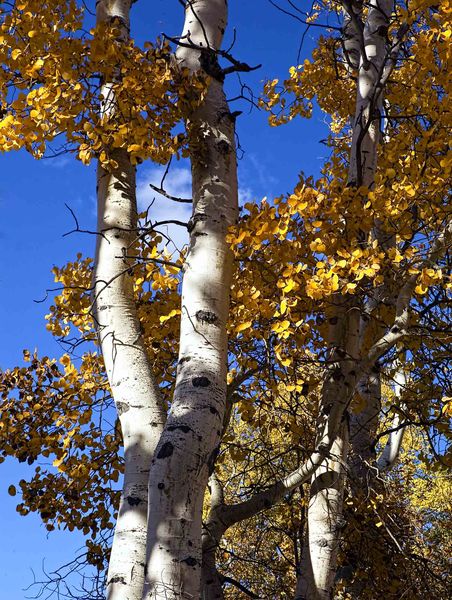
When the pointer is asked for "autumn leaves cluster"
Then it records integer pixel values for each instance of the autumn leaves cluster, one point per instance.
(51, 87)
(294, 255)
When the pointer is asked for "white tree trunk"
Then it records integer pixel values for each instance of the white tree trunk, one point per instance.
(351, 33)
(135, 393)
(363, 427)
(189, 443)
(324, 519)
(367, 123)
(325, 509)
(391, 451)
(322, 536)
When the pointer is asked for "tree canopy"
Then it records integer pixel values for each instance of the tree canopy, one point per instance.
(337, 394)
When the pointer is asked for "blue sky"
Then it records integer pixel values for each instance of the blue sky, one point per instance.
(34, 218)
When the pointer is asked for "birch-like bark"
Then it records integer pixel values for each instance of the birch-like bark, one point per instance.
(363, 468)
(319, 559)
(322, 535)
(332, 427)
(135, 393)
(391, 451)
(369, 101)
(190, 440)
(213, 531)
(324, 519)
(363, 427)
(352, 33)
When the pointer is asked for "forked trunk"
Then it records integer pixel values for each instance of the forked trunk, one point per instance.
(189, 443)
(325, 509)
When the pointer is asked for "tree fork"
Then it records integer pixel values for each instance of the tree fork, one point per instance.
(368, 41)
(180, 468)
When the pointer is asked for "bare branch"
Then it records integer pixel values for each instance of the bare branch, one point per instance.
(163, 192)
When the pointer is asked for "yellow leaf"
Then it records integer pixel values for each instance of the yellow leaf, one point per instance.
(420, 289)
(280, 326)
(38, 64)
(410, 191)
(58, 461)
(170, 315)
(243, 326)
(317, 245)
(85, 156)
(289, 286)
(134, 148)
(283, 308)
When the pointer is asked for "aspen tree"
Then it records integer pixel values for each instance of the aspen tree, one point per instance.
(333, 282)
(136, 395)
(189, 443)
(366, 38)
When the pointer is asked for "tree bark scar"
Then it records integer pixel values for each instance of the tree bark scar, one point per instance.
(122, 407)
(196, 218)
(212, 459)
(223, 147)
(118, 579)
(209, 63)
(206, 316)
(337, 374)
(190, 560)
(133, 501)
(166, 450)
(326, 409)
(184, 428)
(200, 382)
(183, 360)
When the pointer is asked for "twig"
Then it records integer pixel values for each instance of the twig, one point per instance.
(77, 227)
(163, 192)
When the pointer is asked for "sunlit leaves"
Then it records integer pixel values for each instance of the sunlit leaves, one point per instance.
(52, 84)
(295, 256)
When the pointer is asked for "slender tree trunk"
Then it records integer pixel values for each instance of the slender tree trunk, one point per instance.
(322, 535)
(363, 468)
(363, 427)
(390, 452)
(351, 33)
(135, 393)
(324, 521)
(213, 530)
(374, 57)
(190, 440)
(319, 561)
